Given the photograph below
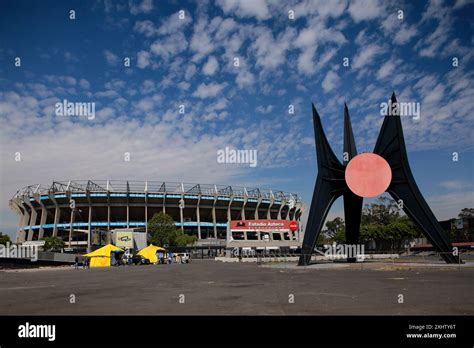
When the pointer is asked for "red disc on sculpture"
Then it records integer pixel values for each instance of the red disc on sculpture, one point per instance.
(368, 175)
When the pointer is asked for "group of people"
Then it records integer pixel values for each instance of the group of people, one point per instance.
(85, 263)
(168, 259)
(128, 259)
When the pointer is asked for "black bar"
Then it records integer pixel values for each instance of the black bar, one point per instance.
(329, 330)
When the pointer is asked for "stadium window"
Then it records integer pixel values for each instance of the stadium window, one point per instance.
(276, 236)
(252, 236)
(238, 235)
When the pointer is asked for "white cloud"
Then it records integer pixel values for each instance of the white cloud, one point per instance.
(111, 58)
(306, 38)
(115, 84)
(386, 69)
(305, 62)
(244, 78)
(264, 109)
(462, 3)
(147, 103)
(398, 30)
(405, 34)
(105, 113)
(455, 185)
(61, 80)
(325, 9)
(174, 23)
(218, 105)
(201, 41)
(190, 71)
(330, 81)
(183, 85)
(366, 55)
(316, 34)
(169, 46)
(211, 66)
(435, 94)
(433, 44)
(147, 87)
(143, 59)
(84, 84)
(208, 90)
(269, 52)
(143, 6)
(69, 57)
(245, 8)
(106, 94)
(146, 28)
(361, 10)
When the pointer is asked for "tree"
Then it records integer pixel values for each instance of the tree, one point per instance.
(182, 239)
(4, 238)
(383, 223)
(162, 229)
(466, 213)
(382, 212)
(53, 243)
(374, 232)
(335, 231)
(334, 226)
(400, 231)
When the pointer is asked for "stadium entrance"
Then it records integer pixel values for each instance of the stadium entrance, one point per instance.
(254, 237)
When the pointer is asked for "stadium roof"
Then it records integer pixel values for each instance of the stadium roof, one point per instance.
(152, 187)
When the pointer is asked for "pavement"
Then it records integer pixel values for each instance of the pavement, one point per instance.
(207, 287)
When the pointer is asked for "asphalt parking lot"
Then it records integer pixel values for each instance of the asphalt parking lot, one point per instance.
(206, 287)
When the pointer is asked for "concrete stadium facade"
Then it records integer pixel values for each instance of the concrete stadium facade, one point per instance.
(72, 210)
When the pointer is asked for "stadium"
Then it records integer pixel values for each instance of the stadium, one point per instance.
(83, 212)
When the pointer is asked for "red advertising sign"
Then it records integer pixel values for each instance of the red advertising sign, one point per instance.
(261, 225)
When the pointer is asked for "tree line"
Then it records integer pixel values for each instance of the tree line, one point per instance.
(384, 223)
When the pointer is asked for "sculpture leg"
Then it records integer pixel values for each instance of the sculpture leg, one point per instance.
(352, 216)
(418, 210)
(391, 146)
(323, 198)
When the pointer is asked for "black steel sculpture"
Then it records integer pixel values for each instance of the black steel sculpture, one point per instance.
(331, 184)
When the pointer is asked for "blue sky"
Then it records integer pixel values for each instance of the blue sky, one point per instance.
(190, 61)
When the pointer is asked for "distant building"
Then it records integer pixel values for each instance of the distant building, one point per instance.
(463, 238)
(464, 228)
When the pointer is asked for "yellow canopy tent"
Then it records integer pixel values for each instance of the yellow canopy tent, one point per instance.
(101, 257)
(150, 252)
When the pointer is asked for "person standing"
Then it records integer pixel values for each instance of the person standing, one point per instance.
(160, 258)
(76, 262)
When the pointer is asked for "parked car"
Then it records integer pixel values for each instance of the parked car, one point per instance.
(185, 257)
